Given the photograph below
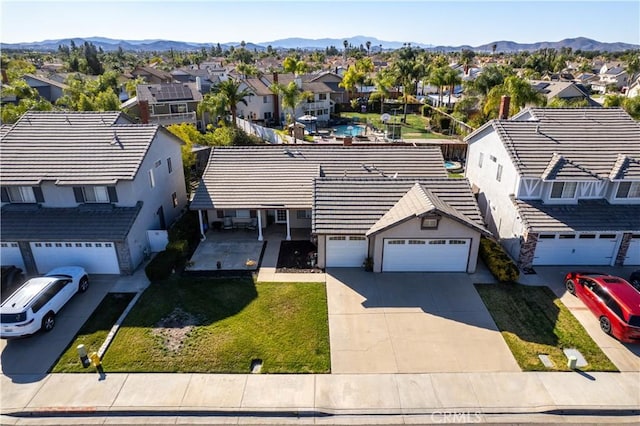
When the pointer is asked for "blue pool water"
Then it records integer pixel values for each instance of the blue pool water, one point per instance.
(342, 131)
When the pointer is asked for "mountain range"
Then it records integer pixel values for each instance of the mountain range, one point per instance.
(108, 44)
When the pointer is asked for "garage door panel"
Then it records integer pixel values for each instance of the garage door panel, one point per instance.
(425, 255)
(633, 252)
(94, 257)
(585, 250)
(10, 255)
(346, 251)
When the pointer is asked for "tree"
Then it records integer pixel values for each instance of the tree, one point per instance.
(368, 47)
(292, 96)
(212, 105)
(383, 82)
(452, 79)
(518, 89)
(345, 44)
(232, 96)
(438, 78)
(295, 65)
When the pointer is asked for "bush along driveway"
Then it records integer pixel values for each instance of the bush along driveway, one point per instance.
(209, 325)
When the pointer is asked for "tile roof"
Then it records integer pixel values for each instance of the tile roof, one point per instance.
(587, 215)
(257, 86)
(97, 222)
(282, 175)
(588, 138)
(360, 206)
(418, 202)
(71, 148)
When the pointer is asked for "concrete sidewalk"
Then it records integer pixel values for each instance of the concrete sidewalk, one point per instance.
(322, 399)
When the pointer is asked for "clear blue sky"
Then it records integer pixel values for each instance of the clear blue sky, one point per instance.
(422, 21)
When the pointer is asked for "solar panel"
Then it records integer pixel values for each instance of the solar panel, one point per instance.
(172, 92)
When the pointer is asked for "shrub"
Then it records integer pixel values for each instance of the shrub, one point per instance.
(181, 247)
(161, 266)
(497, 260)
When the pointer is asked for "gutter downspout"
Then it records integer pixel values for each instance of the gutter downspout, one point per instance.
(201, 226)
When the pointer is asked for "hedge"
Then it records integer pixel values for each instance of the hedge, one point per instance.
(497, 260)
(162, 265)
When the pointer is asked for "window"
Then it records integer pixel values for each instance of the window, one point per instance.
(88, 245)
(437, 242)
(417, 242)
(265, 99)
(480, 159)
(399, 242)
(267, 115)
(58, 244)
(607, 236)
(499, 173)
(157, 164)
(586, 236)
(95, 194)
(357, 238)
(322, 96)
(429, 222)
(281, 216)
(458, 242)
(547, 237)
(174, 199)
(78, 244)
(628, 190)
(169, 165)
(337, 238)
(98, 244)
(47, 245)
(178, 108)
(68, 245)
(21, 194)
(563, 190)
(567, 236)
(243, 214)
(152, 181)
(303, 214)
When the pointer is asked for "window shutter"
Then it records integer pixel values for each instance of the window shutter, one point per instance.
(77, 191)
(37, 192)
(113, 195)
(5, 195)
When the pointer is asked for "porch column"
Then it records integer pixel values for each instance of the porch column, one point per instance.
(288, 227)
(201, 226)
(260, 225)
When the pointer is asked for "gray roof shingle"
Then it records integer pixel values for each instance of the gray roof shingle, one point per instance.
(88, 222)
(355, 206)
(588, 138)
(282, 176)
(71, 148)
(587, 215)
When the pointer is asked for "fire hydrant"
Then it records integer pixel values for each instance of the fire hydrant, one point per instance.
(95, 359)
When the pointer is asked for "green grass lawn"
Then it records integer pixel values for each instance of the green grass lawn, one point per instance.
(533, 321)
(94, 330)
(414, 129)
(232, 322)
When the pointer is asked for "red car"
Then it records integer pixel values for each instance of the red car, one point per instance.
(613, 300)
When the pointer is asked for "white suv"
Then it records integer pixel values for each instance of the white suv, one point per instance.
(35, 304)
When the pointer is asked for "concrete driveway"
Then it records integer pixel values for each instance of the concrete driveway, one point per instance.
(411, 323)
(29, 359)
(626, 356)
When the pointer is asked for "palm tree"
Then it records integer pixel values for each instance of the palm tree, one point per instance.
(230, 92)
(518, 89)
(437, 77)
(451, 79)
(383, 81)
(292, 96)
(346, 44)
(368, 47)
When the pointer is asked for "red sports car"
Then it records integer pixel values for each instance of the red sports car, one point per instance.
(612, 299)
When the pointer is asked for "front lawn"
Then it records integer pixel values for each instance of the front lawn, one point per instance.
(209, 325)
(534, 321)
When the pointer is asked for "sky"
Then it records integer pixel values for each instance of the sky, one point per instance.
(451, 23)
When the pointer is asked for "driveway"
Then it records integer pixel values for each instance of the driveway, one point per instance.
(625, 356)
(29, 359)
(411, 323)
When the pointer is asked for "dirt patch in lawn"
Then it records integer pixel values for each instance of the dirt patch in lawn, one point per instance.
(175, 328)
(298, 256)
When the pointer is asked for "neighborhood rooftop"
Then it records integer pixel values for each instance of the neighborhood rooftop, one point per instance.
(354, 206)
(73, 147)
(282, 176)
(571, 143)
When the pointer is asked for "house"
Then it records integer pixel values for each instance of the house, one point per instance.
(563, 90)
(262, 106)
(394, 205)
(84, 188)
(613, 77)
(152, 75)
(170, 103)
(560, 186)
(48, 89)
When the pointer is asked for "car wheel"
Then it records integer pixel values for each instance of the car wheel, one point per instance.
(605, 325)
(571, 287)
(84, 284)
(49, 321)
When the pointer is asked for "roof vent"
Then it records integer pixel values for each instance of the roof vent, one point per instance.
(115, 140)
(395, 175)
(66, 118)
(537, 128)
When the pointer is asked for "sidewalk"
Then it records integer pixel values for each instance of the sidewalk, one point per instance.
(329, 399)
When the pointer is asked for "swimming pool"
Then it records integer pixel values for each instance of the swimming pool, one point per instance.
(343, 130)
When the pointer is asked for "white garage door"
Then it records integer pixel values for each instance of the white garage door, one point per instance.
(95, 258)
(345, 251)
(425, 255)
(10, 255)
(633, 252)
(571, 249)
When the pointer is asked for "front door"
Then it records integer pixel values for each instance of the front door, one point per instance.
(281, 216)
(160, 213)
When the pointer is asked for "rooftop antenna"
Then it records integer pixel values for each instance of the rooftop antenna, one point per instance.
(115, 140)
(537, 128)
(66, 118)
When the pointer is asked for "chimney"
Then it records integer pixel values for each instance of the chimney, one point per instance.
(276, 105)
(5, 79)
(144, 111)
(503, 113)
